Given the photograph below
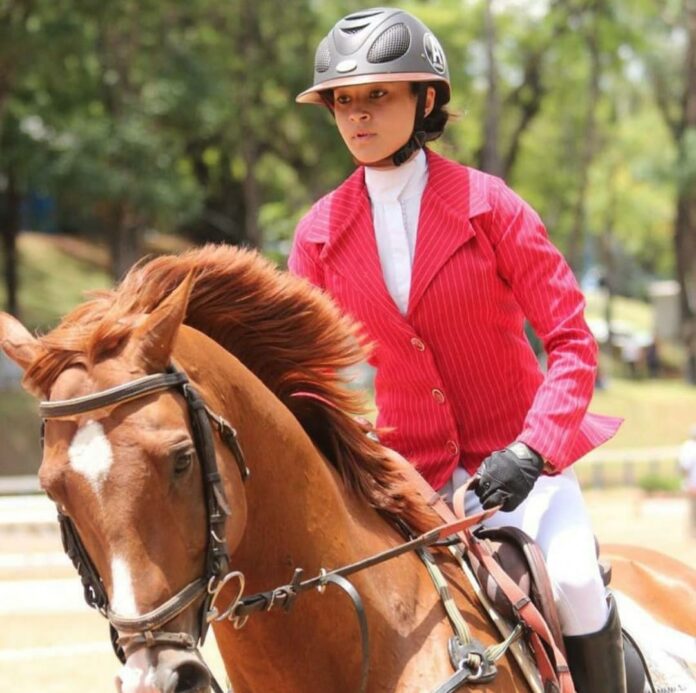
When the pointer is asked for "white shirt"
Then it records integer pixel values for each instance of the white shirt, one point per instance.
(395, 194)
(687, 461)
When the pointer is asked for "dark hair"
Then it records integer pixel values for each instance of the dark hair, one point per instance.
(434, 123)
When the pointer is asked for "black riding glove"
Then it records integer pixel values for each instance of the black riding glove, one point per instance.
(507, 476)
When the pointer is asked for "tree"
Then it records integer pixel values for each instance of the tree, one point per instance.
(677, 100)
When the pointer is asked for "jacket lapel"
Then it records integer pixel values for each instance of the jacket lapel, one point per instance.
(351, 249)
(450, 200)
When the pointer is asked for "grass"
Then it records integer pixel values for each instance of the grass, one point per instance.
(637, 314)
(655, 412)
(52, 280)
(19, 432)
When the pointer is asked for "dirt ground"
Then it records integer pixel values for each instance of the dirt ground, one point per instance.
(51, 643)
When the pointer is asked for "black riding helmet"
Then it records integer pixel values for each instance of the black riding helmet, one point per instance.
(382, 45)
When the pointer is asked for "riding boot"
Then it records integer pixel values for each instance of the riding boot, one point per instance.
(596, 660)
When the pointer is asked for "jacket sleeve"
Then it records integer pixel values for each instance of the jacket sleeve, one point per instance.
(550, 298)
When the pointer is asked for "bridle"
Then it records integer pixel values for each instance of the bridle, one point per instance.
(132, 633)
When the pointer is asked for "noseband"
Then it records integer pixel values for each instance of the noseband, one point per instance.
(146, 630)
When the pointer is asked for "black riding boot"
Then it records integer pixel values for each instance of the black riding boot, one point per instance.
(596, 660)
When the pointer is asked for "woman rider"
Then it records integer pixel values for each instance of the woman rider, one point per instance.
(442, 264)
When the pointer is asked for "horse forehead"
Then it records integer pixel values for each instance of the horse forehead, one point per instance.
(91, 455)
(78, 381)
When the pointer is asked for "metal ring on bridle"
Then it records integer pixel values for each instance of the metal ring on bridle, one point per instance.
(213, 612)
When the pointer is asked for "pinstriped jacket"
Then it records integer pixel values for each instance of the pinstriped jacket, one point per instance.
(456, 377)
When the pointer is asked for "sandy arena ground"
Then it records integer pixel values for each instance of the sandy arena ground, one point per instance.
(50, 642)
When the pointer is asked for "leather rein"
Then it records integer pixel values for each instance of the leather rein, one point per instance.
(132, 633)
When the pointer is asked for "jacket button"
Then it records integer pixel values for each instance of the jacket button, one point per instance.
(417, 344)
(438, 396)
(452, 448)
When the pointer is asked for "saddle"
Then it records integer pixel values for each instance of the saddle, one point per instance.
(521, 558)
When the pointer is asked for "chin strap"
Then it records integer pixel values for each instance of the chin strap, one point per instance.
(418, 136)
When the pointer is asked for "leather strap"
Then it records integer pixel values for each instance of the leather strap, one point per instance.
(354, 595)
(285, 595)
(539, 633)
(115, 395)
(164, 613)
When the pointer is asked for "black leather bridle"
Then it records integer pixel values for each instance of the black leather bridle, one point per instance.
(132, 633)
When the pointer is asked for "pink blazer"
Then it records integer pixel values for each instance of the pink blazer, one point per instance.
(456, 377)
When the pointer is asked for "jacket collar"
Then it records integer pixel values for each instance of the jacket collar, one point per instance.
(453, 195)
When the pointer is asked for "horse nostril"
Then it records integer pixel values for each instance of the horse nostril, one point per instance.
(190, 677)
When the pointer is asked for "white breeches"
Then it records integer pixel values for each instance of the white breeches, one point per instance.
(554, 515)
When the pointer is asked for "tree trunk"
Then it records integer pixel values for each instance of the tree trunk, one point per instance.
(125, 243)
(685, 223)
(252, 98)
(491, 161)
(685, 242)
(576, 240)
(10, 231)
(252, 196)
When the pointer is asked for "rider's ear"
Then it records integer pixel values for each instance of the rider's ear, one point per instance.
(17, 342)
(154, 338)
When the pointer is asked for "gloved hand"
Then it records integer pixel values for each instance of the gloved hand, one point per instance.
(507, 476)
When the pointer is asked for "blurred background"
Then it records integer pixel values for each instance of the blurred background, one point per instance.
(135, 128)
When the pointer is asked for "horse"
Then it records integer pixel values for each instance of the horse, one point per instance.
(159, 514)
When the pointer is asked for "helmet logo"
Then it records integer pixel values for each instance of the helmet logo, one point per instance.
(434, 53)
(346, 66)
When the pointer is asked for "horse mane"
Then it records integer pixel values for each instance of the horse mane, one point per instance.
(284, 330)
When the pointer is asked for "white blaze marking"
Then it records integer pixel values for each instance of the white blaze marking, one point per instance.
(90, 454)
(123, 599)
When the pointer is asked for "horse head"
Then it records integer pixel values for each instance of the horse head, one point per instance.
(122, 463)
(137, 386)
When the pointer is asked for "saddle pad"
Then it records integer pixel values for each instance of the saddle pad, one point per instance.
(670, 655)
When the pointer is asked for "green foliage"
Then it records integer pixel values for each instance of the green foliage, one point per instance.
(181, 116)
(659, 483)
(55, 279)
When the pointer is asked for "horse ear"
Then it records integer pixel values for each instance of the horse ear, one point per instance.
(155, 336)
(17, 342)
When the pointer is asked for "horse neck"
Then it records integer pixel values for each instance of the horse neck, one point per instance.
(298, 509)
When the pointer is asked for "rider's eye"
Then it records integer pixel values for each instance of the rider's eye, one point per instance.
(183, 460)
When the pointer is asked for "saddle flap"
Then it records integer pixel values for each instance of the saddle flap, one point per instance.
(521, 558)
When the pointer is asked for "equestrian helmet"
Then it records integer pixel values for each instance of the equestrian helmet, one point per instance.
(382, 44)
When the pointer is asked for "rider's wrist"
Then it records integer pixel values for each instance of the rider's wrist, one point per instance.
(524, 452)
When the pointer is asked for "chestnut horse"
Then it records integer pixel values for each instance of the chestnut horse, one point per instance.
(266, 352)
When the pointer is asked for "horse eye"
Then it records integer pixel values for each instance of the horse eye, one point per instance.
(183, 460)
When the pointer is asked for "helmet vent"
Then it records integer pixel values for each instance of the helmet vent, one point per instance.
(390, 44)
(353, 29)
(322, 58)
(362, 15)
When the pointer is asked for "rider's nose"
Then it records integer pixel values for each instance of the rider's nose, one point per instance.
(359, 115)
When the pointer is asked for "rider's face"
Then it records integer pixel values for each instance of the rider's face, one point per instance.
(375, 119)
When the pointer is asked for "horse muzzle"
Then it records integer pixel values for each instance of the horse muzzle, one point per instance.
(164, 670)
